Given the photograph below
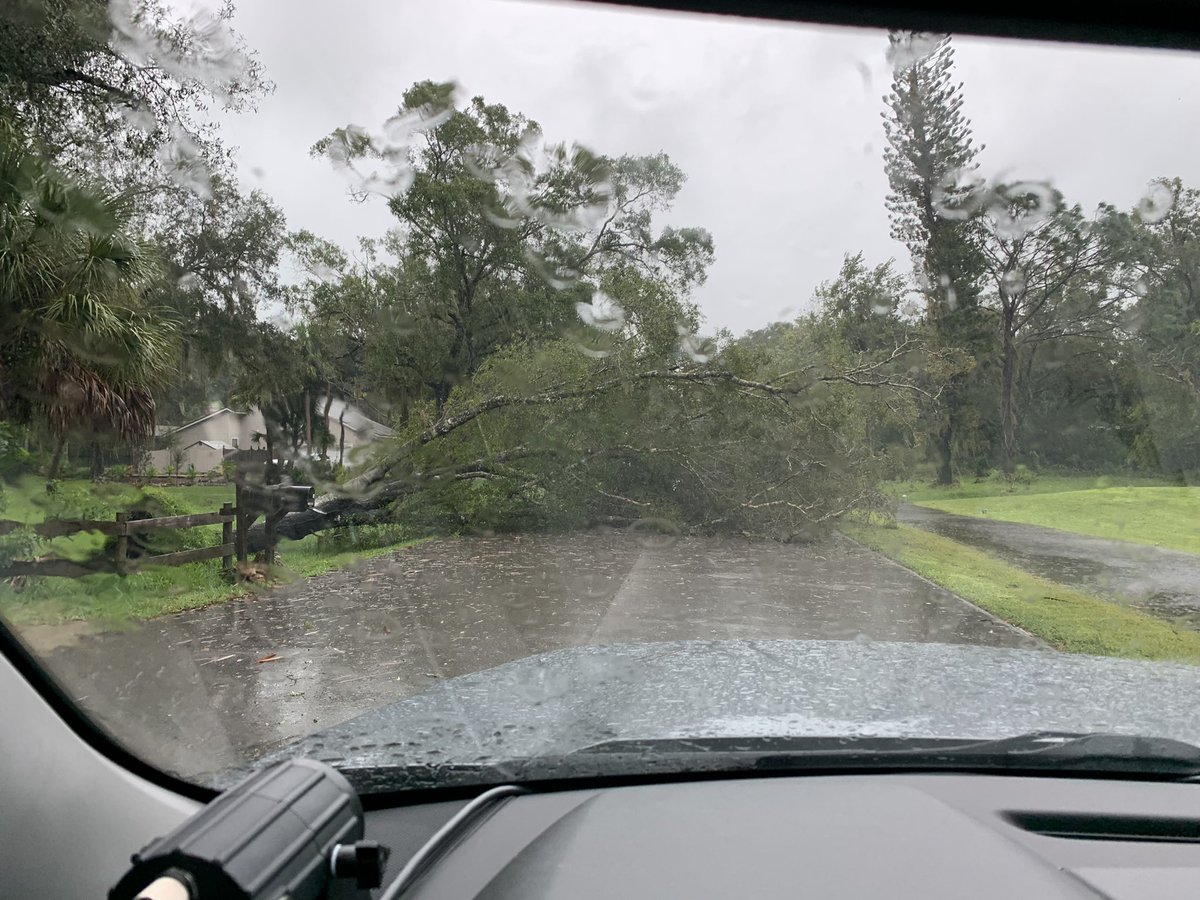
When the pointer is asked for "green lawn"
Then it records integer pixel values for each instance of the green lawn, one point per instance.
(920, 491)
(1159, 516)
(1068, 619)
(115, 601)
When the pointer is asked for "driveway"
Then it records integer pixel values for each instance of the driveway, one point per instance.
(211, 687)
(1163, 583)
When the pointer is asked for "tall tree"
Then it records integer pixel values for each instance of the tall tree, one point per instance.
(1049, 282)
(80, 349)
(221, 255)
(1157, 248)
(509, 234)
(930, 162)
(121, 88)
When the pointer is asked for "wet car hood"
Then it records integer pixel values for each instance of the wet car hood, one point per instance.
(560, 702)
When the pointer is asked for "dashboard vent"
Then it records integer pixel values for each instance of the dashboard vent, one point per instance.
(1108, 828)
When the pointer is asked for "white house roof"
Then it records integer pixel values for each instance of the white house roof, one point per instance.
(215, 445)
(355, 419)
(223, 409)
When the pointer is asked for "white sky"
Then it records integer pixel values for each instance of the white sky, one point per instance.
(777, 126)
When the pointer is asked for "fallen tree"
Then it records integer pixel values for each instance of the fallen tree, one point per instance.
(738, 445)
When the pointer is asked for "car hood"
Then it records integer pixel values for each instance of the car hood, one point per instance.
(552, 704)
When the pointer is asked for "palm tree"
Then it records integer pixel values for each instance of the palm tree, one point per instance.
(79, 349)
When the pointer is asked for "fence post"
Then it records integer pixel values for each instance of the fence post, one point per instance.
(122, 543)
(227, 536)
(242, 524)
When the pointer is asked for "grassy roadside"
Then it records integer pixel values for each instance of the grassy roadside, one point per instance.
(115, 602)
(1067, 619)
(112, 601)
(920, 491)
(1158, 516)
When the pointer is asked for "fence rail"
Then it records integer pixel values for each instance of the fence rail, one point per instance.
(122, 528)
(60, 527)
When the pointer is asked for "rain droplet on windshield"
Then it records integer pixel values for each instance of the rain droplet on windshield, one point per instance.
(692, 346)
(1156, 202)
(1019, 208)
(184, 164)
(910, 47)
(1012, 282)
(655, 534)
(603, 312)
(959, 194)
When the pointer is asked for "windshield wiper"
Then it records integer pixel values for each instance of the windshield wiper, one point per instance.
(1039, 752)
(1036, 751)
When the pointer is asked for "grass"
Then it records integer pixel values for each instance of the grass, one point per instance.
(1067, 619)
(113, 601)
(1158, 516)
(921, 491)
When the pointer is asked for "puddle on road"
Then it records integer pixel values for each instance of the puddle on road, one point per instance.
(1163, 583)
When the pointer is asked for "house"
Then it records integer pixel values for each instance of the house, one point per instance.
(206, 442)
(350, 426)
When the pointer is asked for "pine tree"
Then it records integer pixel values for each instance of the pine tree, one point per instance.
(930, 161)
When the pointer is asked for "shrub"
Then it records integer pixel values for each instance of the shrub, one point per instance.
(116, 472)
(479, 505)
(14, 458)
(22, 543)
(191, 472)
(361, 537)
(228, 469)
(1022, 474)
(150, 471)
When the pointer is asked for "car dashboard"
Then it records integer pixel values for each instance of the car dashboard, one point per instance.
(899, 835)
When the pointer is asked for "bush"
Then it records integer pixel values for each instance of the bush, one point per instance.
(150, 471)
(1022, 474)
(116, 472)
(478, 505)
(228, 469)
(15, 460)
(191, 472)
(361, 537)
(155, 502)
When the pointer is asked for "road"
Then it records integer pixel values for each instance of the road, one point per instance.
(212, 687)
(1164, 583)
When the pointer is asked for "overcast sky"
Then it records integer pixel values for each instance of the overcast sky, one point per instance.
(777, 126)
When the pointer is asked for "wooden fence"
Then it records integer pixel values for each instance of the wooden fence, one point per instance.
(122, 528)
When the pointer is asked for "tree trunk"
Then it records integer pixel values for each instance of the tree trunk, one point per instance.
(342, 439)
(325, 420)
(441, 393)
(1008, 402)
(96, 465)
(60, 444)
(308, 422)
(272, 474)
(945, 474)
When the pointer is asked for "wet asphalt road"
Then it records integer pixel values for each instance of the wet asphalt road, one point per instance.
(213, 687)
(1163, 583)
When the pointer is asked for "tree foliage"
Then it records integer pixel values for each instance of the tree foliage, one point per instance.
(499, 236)
(930, 161)
(81, 348)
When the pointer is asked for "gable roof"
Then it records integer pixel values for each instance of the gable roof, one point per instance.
(355, 419)
(223, 409)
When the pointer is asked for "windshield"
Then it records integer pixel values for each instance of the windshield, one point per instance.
(465, 384)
